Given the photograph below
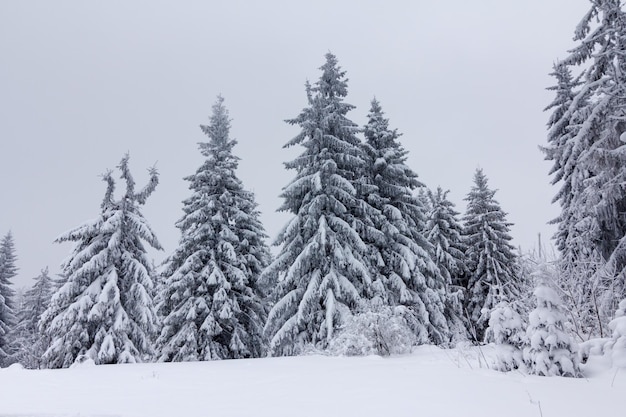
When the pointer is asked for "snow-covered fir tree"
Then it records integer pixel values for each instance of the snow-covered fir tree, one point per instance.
(491, 261)
(104, 311)
(550, 350)
(586, 141)
(402, 260)
(602, 51)
(30, 341)
(211, 302)
(565, 149)
(321, 271)
(445, 232)
(422, 197)
(580, 264)
(8, 271)
(507, 330)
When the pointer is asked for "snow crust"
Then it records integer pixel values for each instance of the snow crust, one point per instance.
(431, 382)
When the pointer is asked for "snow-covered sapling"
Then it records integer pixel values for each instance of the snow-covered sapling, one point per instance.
(507, 330)
(550, 351)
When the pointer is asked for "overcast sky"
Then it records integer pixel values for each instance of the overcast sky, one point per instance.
(82, 83)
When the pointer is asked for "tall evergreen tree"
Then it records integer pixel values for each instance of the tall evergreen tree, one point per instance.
(30, 340)
(586, 140)
(577, 224)
(321, 272)
(491, 261)
(104, 311)
(565, 149)
(211, 300)
(8, 271)
(402, 262)
(602, 52)
(445, 234)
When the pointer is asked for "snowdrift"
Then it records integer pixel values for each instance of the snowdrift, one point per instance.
(430, 382)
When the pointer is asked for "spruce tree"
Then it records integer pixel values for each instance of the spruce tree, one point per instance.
(210, 298)
(576, 224)
(402, 261)
(104, 311)
(601, 53)
(586, 141)
(30, 340)
(565, 149)
(8, 271)
(491, 261)
(321, 271)
(445, 233)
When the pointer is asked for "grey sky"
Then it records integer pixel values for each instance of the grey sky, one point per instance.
(81, 83)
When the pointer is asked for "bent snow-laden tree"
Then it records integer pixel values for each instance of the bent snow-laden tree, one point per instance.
(491, 262)
(400, 254)
(209, 298)
(104, 311)
(320, 272)
(8, 270)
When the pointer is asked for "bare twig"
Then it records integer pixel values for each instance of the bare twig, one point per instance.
(535, 402)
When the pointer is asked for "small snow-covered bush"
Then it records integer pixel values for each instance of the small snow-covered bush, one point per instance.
(550, 350)
(384, 331)
(617, 345)
(593, 348)
(83, 361)
(506, 330)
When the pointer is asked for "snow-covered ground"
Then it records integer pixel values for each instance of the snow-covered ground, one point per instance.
(430, 382)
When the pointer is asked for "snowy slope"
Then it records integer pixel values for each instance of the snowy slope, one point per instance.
(431, 382)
